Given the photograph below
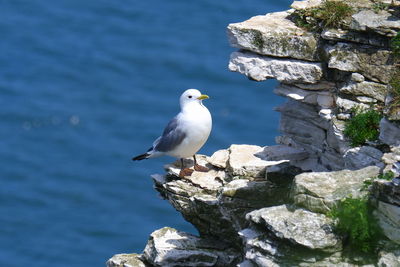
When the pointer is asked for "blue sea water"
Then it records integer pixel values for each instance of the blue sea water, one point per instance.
(86, 85)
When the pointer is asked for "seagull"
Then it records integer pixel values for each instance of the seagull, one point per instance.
(185, 134)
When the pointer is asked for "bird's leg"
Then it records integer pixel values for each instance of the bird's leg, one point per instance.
(184, 171)
(198, 167)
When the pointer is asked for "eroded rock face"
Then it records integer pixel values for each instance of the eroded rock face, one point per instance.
(298, 226)
(126, 260)
(169, 247)
(274, 35)
(261, 68)
(320, 191)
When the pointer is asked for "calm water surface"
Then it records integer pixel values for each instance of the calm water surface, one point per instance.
(86, 85)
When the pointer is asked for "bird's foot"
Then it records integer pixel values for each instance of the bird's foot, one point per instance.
(185, 172)
(200, 168)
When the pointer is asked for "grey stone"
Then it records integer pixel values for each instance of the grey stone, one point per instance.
(126, 260)
(320, 191)
(169, 247)
(377, 91)
(354, 36)
(219, 158)
(389, 132)
(274, 35)
(297, 226)
(360, 157)
(299, 5)
(382, 23)
(389, 220)
(261, 68)
(374, 63)
(244, 161)
(346, 105)
(322, 98)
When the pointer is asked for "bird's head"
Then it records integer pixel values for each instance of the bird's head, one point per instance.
(191, 96)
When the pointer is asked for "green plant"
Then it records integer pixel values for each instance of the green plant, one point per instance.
(379, 6)
(395, 44)
(362, 127)
(329, 14)
(385, 176)
(356, 223)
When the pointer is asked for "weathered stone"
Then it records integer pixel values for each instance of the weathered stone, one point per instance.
(320, 191)
(245, 161)
(321, 85)
(374, 63)
(389, 257)
(299, 5)
(386, 191)
(126, 260)
(219, 158)
(371, 89)
(322, 98)
(169, 247)
(360, 157)
(389, 220)
(297, 226)
(260, 68)
(389, 132)
(353, 36)
(346, 105)
(274, 35)
(357, 77)
(335, 137)
(382, 23)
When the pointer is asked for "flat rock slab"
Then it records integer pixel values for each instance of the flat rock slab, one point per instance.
(169, 247)
(248, 161)
(261, 68)
(389, 132)
(382, 22)
(298, 226)
(274, 35)
(389, 220)
(126, 260)
(320, 191)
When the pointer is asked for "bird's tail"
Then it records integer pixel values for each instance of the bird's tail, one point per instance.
(142, 156)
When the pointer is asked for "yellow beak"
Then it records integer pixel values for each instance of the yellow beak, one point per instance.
(202, 97)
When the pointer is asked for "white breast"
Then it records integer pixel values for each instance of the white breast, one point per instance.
(197, 120)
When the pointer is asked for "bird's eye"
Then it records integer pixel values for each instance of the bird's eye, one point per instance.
(190, 96)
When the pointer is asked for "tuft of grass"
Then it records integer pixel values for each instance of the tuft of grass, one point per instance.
(328, 14)
(362, 127)
(357, 224)
(395, 45)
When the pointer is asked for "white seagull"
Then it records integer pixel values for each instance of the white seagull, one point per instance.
(185, 134)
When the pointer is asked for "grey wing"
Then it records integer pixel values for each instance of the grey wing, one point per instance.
(171, 137)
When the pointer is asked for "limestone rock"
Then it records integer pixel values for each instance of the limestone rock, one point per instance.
(353, 36)
(245, 161)
(320, 191)
(305, 4)
(126, 260)
(346, 105)
(169, 247)
(260, 68)
(389, 257)
(322, 98)
(219, 158)
(382, 23)
(375, 90)
(389, 220)
(297, 226)
(274, 35)
(360, 157)
(389, 132)
(374, 63)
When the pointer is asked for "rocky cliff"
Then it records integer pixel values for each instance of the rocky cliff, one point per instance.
(271, 206)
